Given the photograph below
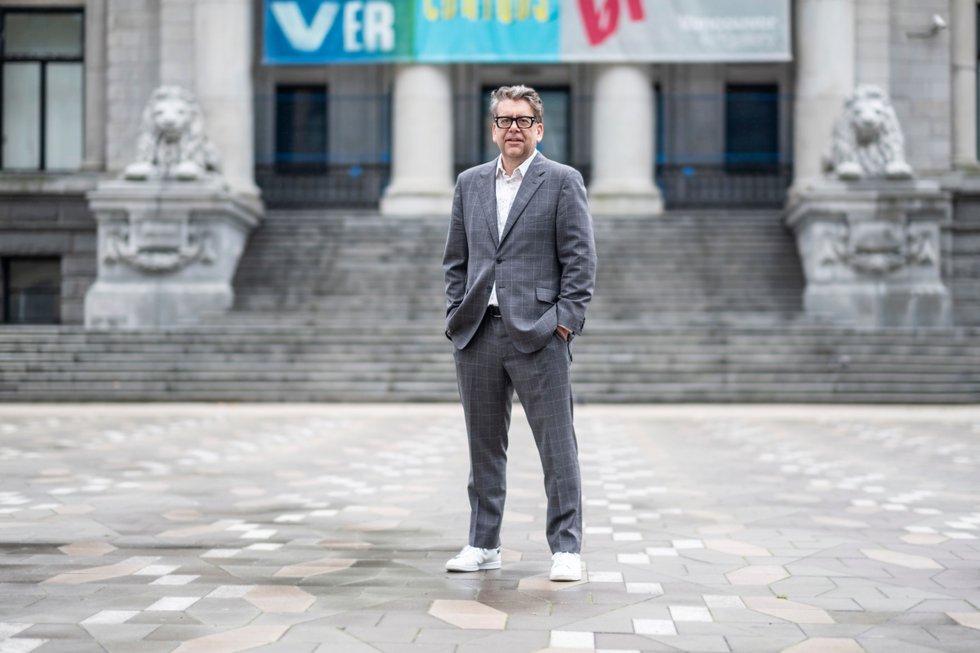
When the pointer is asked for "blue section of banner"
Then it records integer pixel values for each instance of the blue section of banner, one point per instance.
(315, 31)
(450, 30)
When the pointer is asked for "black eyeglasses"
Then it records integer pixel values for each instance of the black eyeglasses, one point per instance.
(523, 122)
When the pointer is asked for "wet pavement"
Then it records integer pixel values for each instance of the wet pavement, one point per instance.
(301, 529)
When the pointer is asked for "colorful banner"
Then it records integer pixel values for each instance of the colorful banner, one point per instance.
(489, 31)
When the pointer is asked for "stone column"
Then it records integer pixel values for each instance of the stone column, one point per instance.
(223, 85)
(825, 49)
(95, 85)
(422, 148)
(963, 22)
(623, 132)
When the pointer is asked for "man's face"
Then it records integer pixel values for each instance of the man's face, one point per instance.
(516, 143)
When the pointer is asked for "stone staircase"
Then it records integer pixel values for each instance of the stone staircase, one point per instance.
(348, 307)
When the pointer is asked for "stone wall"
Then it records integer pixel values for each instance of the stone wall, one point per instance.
(963, 269)
(921, 83)
(53, 225)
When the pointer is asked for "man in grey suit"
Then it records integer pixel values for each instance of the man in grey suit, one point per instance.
(520, 269)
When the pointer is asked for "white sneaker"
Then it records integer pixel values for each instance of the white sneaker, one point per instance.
(566, 566)
(472, 558)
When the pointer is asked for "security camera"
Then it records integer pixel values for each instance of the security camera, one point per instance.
(936, 25)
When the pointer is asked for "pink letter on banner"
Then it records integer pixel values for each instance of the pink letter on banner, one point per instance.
(601, 23)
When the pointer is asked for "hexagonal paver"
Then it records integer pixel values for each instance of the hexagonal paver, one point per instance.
(799, 613)
(906, 560)
(279, 598)
(757, 575)
(469, 614)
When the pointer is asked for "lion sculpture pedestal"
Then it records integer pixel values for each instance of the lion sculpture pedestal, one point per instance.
(167, 253)
(869, 233)
(170, 233)
(871, 252)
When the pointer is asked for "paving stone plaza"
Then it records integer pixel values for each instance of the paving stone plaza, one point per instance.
(302, 529)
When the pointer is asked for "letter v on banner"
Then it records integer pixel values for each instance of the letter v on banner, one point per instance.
(302, 36)
(601, 22)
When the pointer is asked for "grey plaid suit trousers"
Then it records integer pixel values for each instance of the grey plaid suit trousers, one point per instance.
(543, 263)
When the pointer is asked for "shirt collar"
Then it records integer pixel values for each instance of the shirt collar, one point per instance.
(522, 168)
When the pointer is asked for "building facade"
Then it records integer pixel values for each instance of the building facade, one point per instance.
(650, 136)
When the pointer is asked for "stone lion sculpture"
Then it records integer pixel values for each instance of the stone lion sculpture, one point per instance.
(172, 142)
(867, 140)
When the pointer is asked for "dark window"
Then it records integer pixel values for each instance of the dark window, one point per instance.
(32, 290)
(42, 89)
(557, 142)
(301, 128)
(751, 126)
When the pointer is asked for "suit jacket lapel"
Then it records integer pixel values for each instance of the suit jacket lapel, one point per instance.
(488, 199)
(535, 175)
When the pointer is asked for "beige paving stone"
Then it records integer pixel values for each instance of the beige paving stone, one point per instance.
(107, 572)
(906, 560)
(183, 515)
(510, 555)
(75, 509)
(345, 545)
(787, 610)
(544, 584)
(968, 619)
(757, 575)
(232, 641)
(469, 615)
(315, 567)
(826, 645)
(91, 548)
(280, 598)
(736, 548)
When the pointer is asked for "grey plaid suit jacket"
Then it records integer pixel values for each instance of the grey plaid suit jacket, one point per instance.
(544, 262)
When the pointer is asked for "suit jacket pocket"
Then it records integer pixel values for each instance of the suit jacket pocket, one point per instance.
(546, 295)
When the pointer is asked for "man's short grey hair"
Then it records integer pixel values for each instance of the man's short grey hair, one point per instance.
(516, 93)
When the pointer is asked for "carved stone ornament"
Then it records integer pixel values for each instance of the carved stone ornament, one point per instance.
(172, 143)
(867, 139)
(157, 247)
(877, 247)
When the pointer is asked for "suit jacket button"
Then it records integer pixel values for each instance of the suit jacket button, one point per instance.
(500, 260)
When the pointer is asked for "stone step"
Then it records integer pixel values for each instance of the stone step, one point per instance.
(678, 263)
(700, 306)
